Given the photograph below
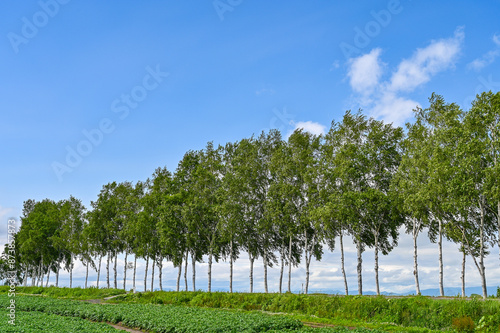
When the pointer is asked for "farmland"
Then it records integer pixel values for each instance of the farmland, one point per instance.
(67, 315)
(238, 312)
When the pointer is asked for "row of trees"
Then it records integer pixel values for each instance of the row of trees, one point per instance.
(282, 201)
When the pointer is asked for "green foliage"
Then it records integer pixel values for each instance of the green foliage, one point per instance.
(489, 324)
(72, 293)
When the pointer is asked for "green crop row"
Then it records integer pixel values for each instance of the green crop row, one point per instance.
(156, 318)
(73, 293)
(35, 322)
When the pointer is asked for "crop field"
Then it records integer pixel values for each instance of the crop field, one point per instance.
(225, 312)
(31, 322)
(45, 314)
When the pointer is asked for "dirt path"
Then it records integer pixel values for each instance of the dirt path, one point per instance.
(122, 327)
(320, 325)
(99, 300)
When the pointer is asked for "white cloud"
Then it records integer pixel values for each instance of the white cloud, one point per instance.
(309, 126)
(264, 91)
(487, 58)
(384, 98)
(394, 109)
(496, 39)
(365, 71)
(417, 70)
(4, 212)
(335, 65)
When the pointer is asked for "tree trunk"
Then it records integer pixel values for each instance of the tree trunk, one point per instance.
(377, 286)
(115, 271)
(440, 245)
(342, 263)
(71, 265)
(231, 266)
(478, 266)
(47, 281)
(251, 272)
(463, 269)
(39, 282)
(359, 267)
(498, 222)
(107, 270)
(186, 270)
(160, 268)
(25, 282)
(308, 264)
(125, 272)
(264, 260)
(481, 252)
(57, 276)
(290, 265)
(152, 273)
(146, 275)
(86, 274)
(282, 254)
(179, 276)
(99, 271)
(210, 271)
(415, 254)
(193, 264)
(135, 271)
(308, 261)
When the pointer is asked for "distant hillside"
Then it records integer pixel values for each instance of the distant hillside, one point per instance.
(453, 291)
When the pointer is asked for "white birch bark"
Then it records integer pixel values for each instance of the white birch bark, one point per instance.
(107, 270)
(125, 272)
(342, 263)
(160, 273)
(264, 260)
(376, 265)
(152, 273)
(146, 275)
(440, 245)
(193, 264)
(86, 274)
(251, 272)
(415, 231)
(231, 266)
(135, 271)
(99, 271)
(179, 274)
(115, 271)
(359, 268)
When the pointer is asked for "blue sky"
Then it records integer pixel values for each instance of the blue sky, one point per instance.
(131, 86)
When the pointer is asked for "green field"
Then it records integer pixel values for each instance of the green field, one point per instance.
(33, 321)
(58, 310)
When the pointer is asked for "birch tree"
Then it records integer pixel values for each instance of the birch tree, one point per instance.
(410, 183)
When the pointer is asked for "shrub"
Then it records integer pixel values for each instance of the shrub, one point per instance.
(463, 324)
